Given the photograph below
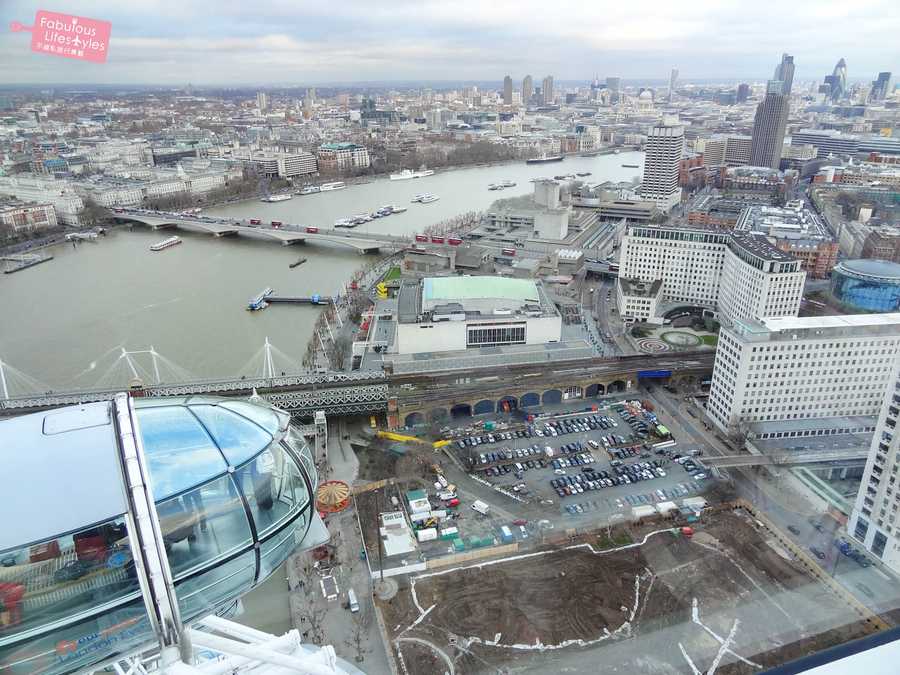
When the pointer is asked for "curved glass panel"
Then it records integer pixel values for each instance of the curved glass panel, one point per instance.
(65, 650)
(63, 576)
(203, 593)
(870, 294)
(298, 444)
(273, 486)
(180, 453)
(203, 525)
(277, 549)
(238, 439)
(262, 415)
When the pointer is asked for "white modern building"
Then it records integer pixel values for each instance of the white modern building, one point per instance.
(874, 519)
(665, 146)
(738, 275)
(758, 280)
(440, 314)
(296, 164)
(688, 260)
(794, 368)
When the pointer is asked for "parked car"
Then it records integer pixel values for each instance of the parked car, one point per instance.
(793, 529)
(819, 553)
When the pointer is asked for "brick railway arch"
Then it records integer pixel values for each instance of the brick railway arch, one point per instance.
(460, 410)
(484, 407)
(438, 415)
(415, 419)
(551, 396)
(511, 402)
(595, 389)
(616, 386)
(530, 400)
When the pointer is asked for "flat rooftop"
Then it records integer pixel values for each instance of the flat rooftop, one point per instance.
(811, 327)
(440, 290)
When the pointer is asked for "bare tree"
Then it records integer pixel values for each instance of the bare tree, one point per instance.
(306, 601)
(358, 639)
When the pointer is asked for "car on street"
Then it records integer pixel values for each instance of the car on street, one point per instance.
(793, 529)
(819, 553)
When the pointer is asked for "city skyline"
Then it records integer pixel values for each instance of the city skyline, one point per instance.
(280, 42)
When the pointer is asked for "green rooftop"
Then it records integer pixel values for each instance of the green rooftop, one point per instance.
(436, 289)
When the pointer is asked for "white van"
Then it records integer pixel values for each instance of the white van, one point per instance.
(351, 599)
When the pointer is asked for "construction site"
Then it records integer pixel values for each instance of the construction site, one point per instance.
(728, 595)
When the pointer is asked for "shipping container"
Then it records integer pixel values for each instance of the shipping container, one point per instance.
(506, 535)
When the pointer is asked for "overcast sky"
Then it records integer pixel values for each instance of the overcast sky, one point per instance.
(299, 42)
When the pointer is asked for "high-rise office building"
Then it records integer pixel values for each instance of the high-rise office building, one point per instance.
(768, 127)
(614, 85)
(835, 87)
(527, 89)
(743, 93)
(801, 368)
(881, 87)
(507, 90)
(874, 519)
(262, 101)
(665, 145)
(673, 78)
(547, 90)
(784, 73)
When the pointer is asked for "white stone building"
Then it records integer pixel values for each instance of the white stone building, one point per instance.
(874, 519)
(758, 280)
(60, 193)
(738, 275)
(793, 368)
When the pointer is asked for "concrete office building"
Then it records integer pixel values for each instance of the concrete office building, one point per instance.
(730, 150)
(507, 90)
(688, 260)
(527, 89)
(547, 90)
(794, 368)
(262, 101)
(665, 145)
(768, 127)
(297, 164)
(440, 314)
(736, 275)
(873, 521)
(758, 280)
(543, 214)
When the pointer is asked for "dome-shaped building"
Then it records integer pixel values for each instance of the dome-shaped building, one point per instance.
(114, 510)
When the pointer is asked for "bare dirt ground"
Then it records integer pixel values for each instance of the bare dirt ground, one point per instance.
(723, 600)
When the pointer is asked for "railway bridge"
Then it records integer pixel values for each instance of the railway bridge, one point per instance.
(421, 398)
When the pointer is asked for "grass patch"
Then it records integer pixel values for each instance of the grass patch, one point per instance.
(711, 340)
(617, 539)
(393, 273)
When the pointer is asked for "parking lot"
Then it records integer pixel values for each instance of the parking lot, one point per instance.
(586, 462)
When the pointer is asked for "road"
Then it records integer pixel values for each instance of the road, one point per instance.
(880, 590)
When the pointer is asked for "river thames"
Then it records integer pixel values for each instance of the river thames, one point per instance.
(65, 322)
